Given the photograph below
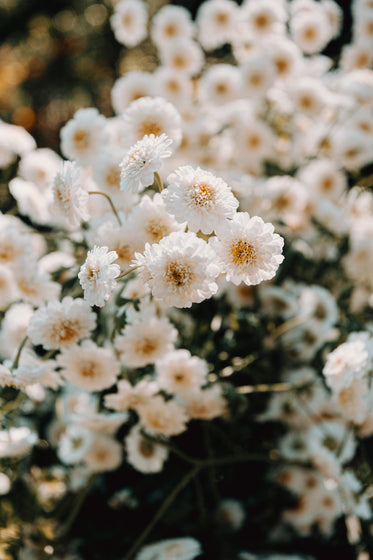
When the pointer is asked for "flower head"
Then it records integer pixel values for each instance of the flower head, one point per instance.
(70, 199)
(61, 323)
(180, 269)
(143, 160)
(247, 249)
(97, 275)
(198, 197)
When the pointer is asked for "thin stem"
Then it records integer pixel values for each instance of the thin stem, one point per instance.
(161, 511)
(123, 274)
(271, 387)
(13, 405)
(287, 326)
(66, 525)
(110, 202)
(214, 461)
(16, 359)
(158, 181)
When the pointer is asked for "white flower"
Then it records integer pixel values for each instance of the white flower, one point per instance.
(183, 56)
(131, 396)
(178, 372)
(143, 454)
(88, 366)
(133, 85)
(105, 454)
(311, 30)
(70, 199)
(144, 342)
(16, 442)
(220, 83)
(148, 116)
(180, 269)
(39, 167)
(160, 417)
(205, 404)
(129, 22)
(82, 136)
(199, 198)
(349, 361)
(217, 22)
(183, 548)
(247, 249)
(74, 444)
(13, 328)
(97, 275)
(169, 23)
(60, 324)
(151, 221)
(142, 161)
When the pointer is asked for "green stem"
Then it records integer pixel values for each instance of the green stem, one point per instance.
(161, 511)
(123, 274)
(110, 202)
(158, 181)
(16, 359)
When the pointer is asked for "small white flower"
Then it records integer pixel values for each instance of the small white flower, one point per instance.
(349, 361)
(160, 417)
(180, 269)
(82, 136)
(151, 115)
(198, 197)
(129, 22)
(105, 454)
(97, 275)
(143, 454)
(248, 250)
(179, 371)
(70, 199)
(88, 366)
(59, 324)
(146, 341)
(142, 161)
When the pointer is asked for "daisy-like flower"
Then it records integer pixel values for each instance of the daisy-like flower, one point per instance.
(349, 361)
(180, 269)
(148, 116)
(160, 417)
(133, 85)
(169, 23)
(69, 197)
(183, 548)
(105, 454)
(144, 342)
(143, 454)
(142, 161)
(129, 22)
(88, 366)
(199, 198)
(97, 275)
(59, 324)
(205, 404)
(178, 372)
(82, 136)
(151, 221)
(248, 250)
(217, 22)
(131, 396)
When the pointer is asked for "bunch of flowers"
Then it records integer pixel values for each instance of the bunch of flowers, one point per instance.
(186, 297)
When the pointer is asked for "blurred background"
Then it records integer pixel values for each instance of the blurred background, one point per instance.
(59, 56)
